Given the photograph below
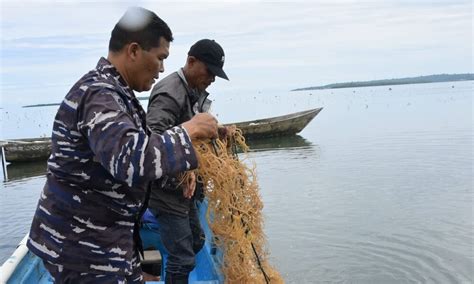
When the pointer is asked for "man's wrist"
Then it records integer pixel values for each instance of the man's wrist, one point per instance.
(187, 131)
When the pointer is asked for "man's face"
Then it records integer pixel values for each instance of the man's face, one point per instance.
(148, 65)
(201, 76)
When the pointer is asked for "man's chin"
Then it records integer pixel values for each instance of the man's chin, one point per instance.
(145, 89)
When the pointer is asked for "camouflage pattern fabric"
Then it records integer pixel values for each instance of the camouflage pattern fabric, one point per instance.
(103, 158)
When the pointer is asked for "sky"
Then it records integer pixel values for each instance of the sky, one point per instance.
(46, 46)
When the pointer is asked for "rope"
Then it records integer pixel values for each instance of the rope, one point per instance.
(234, 210)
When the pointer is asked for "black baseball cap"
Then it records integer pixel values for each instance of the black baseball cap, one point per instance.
(212, 54)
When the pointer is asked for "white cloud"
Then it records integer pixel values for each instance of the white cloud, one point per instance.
(267, 44)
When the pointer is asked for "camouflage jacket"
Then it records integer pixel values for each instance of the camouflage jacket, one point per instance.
(103, 159)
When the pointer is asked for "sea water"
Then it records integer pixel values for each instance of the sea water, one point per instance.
(376, 189)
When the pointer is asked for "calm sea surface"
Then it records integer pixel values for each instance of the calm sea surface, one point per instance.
(377, 189)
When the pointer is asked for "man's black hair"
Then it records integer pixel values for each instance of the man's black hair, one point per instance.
(141, 26)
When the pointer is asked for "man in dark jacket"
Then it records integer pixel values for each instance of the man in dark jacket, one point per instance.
(104, 157)
(174, 100)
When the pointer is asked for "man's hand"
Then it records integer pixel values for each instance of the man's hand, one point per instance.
(226, 131)
(189, 186)
(202, 125)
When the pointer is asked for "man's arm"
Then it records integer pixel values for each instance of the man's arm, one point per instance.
(127, 152)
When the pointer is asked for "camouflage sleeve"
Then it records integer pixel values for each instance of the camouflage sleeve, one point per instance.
(125, 150)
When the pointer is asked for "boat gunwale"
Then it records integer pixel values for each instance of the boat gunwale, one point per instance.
(6, 142)
(10, 265)
(275, 119)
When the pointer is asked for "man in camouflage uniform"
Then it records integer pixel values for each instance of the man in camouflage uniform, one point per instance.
(104, 158)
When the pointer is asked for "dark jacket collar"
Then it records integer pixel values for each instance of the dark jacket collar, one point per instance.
(194, 95)
(108, 69)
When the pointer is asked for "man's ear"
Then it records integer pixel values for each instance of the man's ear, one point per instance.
(191, 60)
(132, 50)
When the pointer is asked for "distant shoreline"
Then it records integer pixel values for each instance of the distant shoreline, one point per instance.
(437, 78)
(57, 104)
(42, 105)
(402, 81)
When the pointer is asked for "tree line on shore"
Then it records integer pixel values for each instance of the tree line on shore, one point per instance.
(400, 81)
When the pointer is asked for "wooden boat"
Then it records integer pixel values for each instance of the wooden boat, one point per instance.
(23, 267)
(26, 150)
(289, 124)
(17, 171)
(33, 149)
(278, 143)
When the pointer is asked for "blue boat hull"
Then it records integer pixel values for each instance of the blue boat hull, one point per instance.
(25, 267)
(207, 260)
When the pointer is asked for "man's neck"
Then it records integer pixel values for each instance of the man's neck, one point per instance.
(117, 62)
(188, 77)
